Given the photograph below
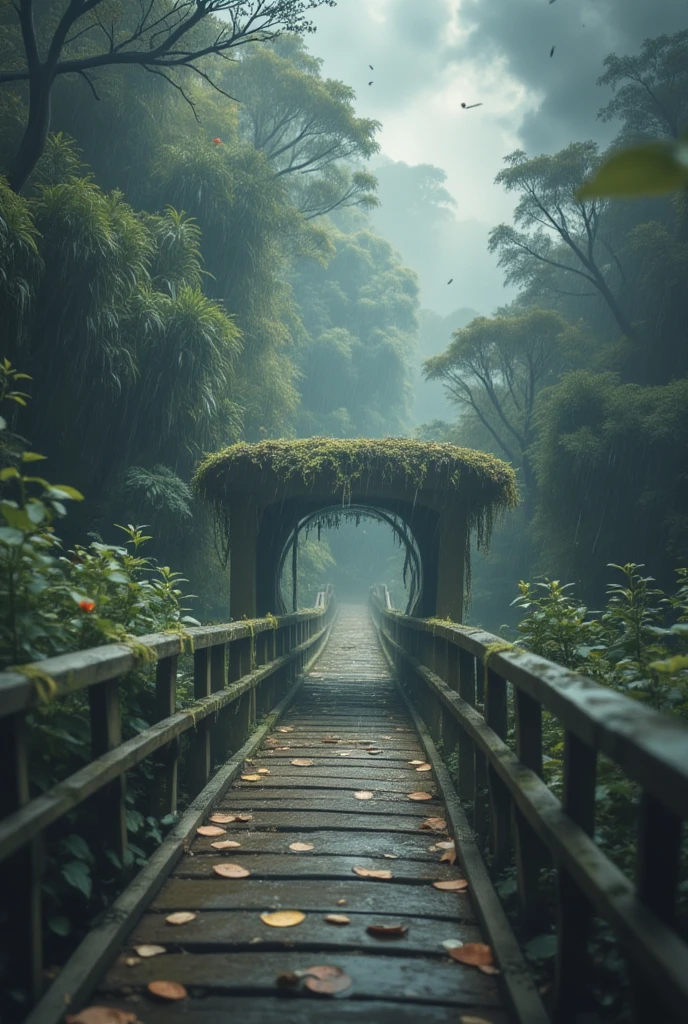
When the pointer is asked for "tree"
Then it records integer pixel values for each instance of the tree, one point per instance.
(305, 125)
(77, 37)
(561, 230)
(496, 367)
(650, 89)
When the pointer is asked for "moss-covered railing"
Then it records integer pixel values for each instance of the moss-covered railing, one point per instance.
(244, 675)
(474, 691)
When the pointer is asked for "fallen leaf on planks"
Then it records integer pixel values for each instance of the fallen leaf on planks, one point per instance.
(449, 856)
(225, 844)
(445, 844)
(300, 847)
(285, 728)
(326, 979)
(101, 1015)
(371, 873)
(454, 885)
(250, 778)
(221, 819)
(424, 767)
(415, 762)
(387, 931)
(391, 856)
(283, 918)
(210, 830)
(341, 903)
(302, 762)
(149, 950)
(433, 825)
(420, 795)
(337, 919)
(363, 794)
(231, 871)
(170, 990)
(243, 817)
(264, 771)
(475, 954)
(181, 917)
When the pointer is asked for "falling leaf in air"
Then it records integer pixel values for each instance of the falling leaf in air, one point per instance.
(244, 817)
(283, 918)
(420, 795)
(452, 943)
(231, 871)
(337, 919)
(452, 885)
(302, 762)
(425, 767)
(434, 825)
(285, 728)
(226, 844)
(264, 771)
(387, 931)
(326, 979)
(101, 1015)
(300, 847)
(170, 990)
(371, 873)
(221, 819)
(250, 778)
(211, 830)
(476, 954)
(449, 856)
(390, 856)
(181, 917)
(146, 951)
(341, 903)
(415, 762)
(363, 794)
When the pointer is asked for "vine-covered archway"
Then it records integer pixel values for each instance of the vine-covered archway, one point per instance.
(437, 494)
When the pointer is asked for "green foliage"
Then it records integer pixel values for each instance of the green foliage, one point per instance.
(649, 169)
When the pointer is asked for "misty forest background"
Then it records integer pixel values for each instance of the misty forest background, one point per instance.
(182, 271)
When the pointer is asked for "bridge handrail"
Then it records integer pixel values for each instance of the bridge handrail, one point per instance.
(230, 662)
(465, 671)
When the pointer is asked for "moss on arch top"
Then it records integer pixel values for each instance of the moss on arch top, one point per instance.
(344, 467)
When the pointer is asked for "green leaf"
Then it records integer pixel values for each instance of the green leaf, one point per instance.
(14, 516)
(64, 492)
(652, 169)
(10, 536)
(3, 423)
(542, 947)
(35, 510)
(32, 457)
(78, 875)
(78, 847)
(60, 925)
(670, 665)
(9, 473)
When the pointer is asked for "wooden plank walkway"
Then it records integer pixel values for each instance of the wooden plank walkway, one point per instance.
(231, 962)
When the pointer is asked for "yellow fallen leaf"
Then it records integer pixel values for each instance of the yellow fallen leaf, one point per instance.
(181, 917)
(454, 885)
(283, 918)
(170, 990)
(337, 919)
(301, 847)
(221, 819)
(363, 794)
(424, 768)
(226, 844)
(250, 778)
(149, 950)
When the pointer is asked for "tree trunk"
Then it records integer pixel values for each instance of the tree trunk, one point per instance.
(35, 134)
(622, 320)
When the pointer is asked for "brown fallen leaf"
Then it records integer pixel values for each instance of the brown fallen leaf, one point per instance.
(301, 847)
(363, 794)
(170, 990)
(453, 885)
(221, 819)
(373, 753)
(476, 954)
(326, 979)
(420, 795)
(331, 739)
(250, 778)
(149, 950)
(347, 753)
(181, 917)
(285, 728)
(231, 871)
(287, 979)
(101, 1015)
(302, 762)
(424, 768)
(415, 762)
(371, 873)
(387, 931)
(283, 918)
(225, 844)
(210, 830)
(449, 856)
(283, 748)
(337, 919)
(488, 968)
(341, 903)
(244, 817)
(434, 825)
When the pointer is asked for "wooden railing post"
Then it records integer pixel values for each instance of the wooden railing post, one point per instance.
(574, 913)
(530, 853)
(500, 801)
(167, 759)
(467, 752)
(106, 734)
(199, 745)
(20, 875)
(219, 730)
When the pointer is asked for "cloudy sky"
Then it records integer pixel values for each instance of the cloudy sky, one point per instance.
(430, 55)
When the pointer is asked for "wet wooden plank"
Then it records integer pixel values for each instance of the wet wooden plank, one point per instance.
(348, 806)
(378, 977)
(360, 895)
(282, 865)
(365, 844)
(316, 819)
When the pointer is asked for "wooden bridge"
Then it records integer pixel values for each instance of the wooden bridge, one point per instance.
(311, 767)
